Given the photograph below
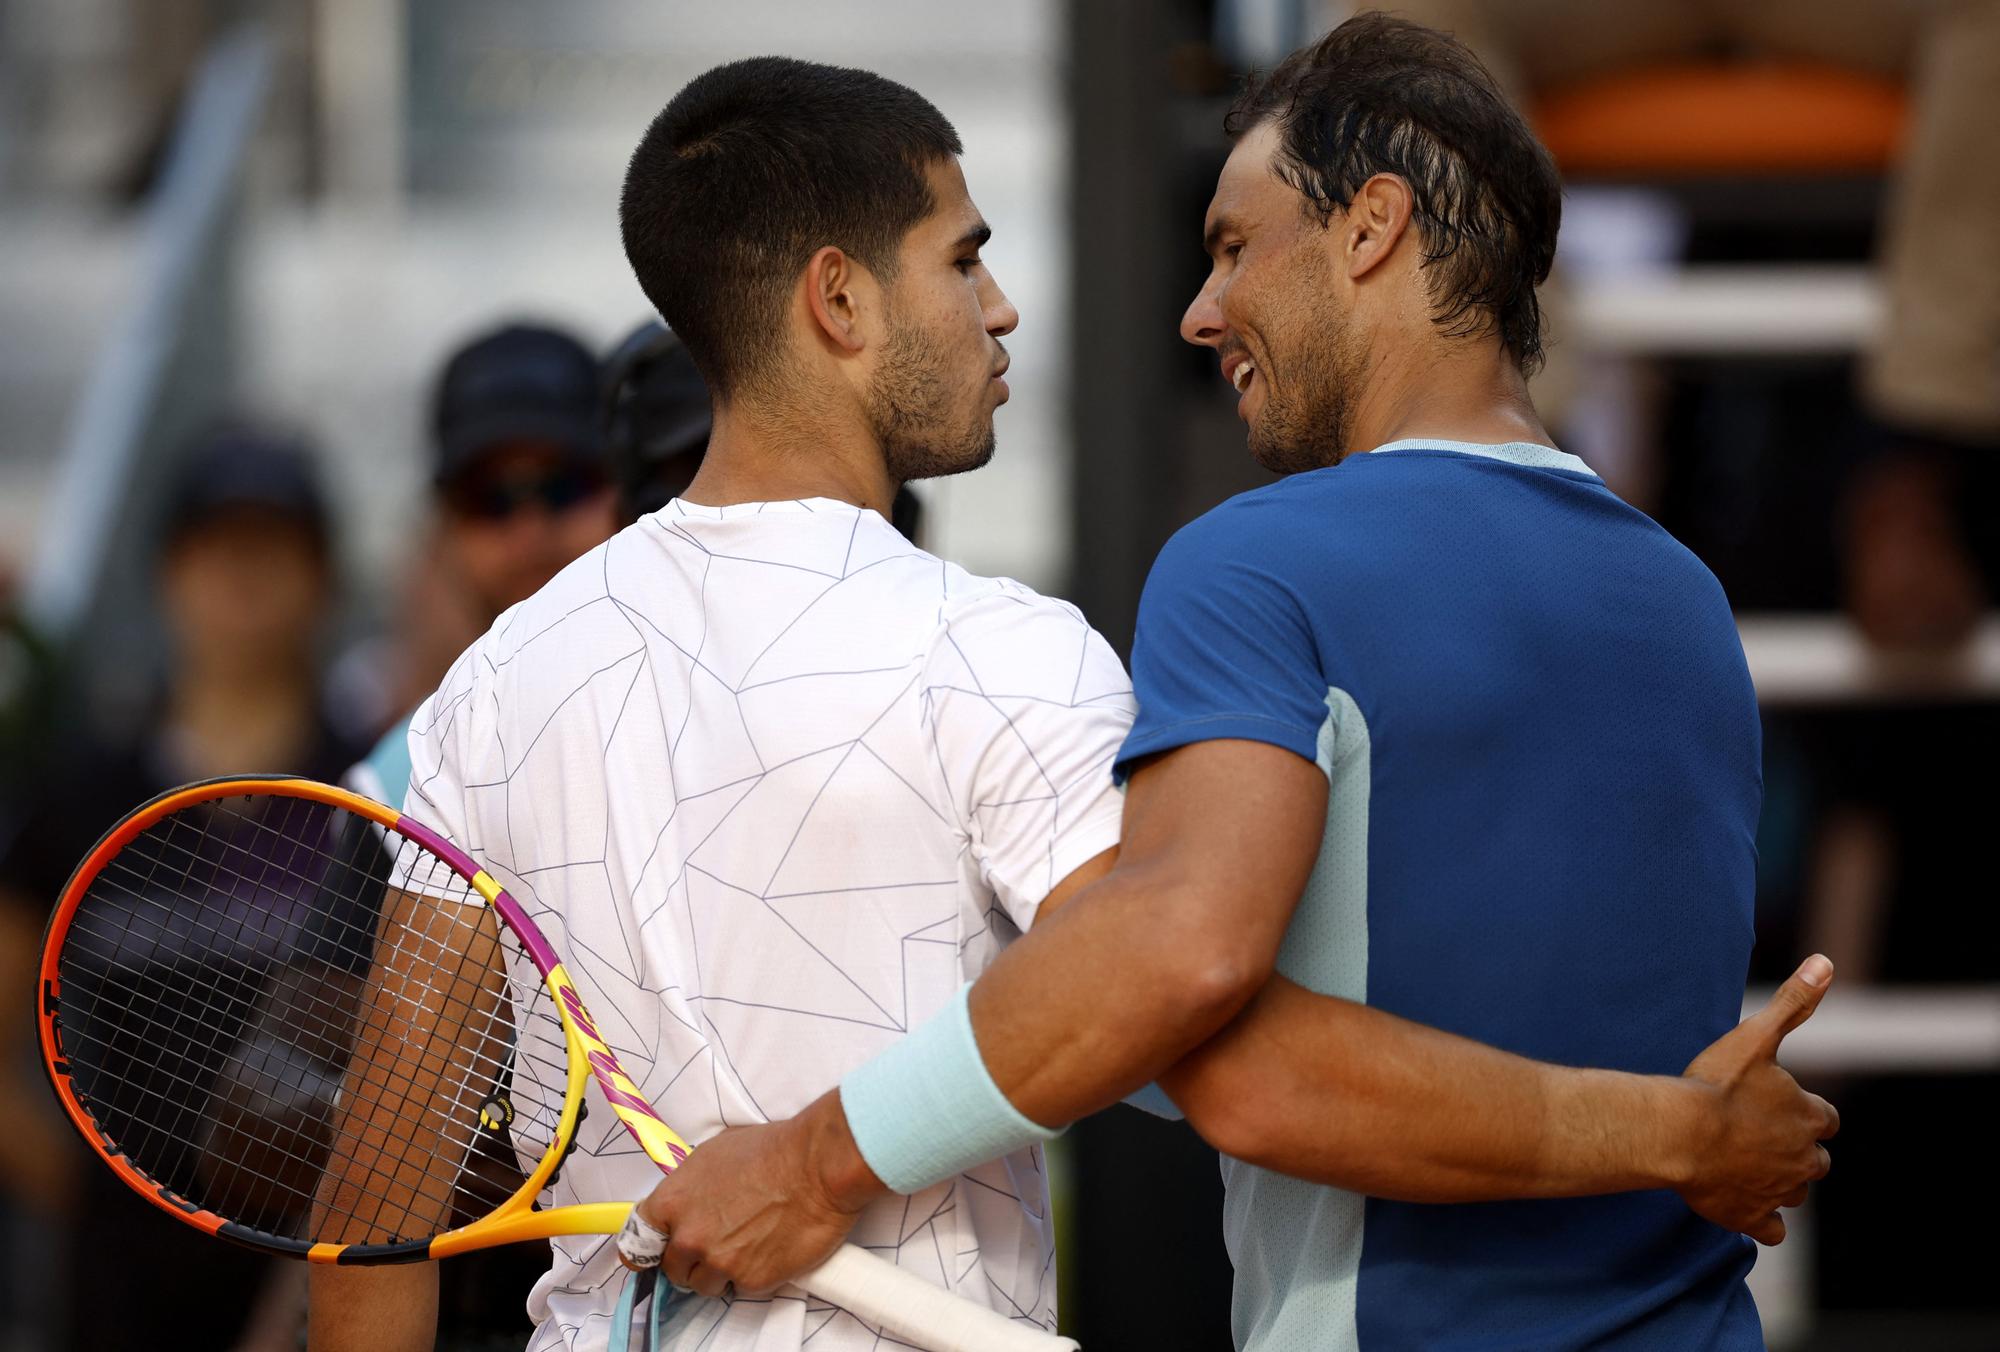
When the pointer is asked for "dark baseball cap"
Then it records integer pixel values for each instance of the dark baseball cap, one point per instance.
(520, 383)
(240, 467)
(656, 417)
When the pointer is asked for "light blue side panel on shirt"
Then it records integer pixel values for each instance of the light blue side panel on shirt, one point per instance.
(384, 774)
(1296, 1246)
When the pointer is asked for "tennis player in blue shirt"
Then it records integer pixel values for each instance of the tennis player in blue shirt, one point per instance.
(1445, 759)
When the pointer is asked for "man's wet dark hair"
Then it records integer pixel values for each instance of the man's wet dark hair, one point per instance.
(752, 168)
(1384, 95)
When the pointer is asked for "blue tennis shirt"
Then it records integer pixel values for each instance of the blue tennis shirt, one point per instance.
(1543, 749)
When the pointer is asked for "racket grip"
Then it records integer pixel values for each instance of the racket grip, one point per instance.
(907, 1307)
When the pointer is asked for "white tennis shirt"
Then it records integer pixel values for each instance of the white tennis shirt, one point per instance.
(775, 782)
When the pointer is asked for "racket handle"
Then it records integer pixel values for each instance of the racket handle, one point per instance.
(907, 1307)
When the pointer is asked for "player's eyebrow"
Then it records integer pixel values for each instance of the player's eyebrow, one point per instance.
(1222, 225)
(975, 238)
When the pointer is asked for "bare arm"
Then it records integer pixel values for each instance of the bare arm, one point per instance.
(412, 1035)
(382, 1309)
(1340, 1093)
(1332, 1091)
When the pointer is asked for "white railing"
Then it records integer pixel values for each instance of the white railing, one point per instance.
(1725, 309)
(1822, 660)
(113, 429)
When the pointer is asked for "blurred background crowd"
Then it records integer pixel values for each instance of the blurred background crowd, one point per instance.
(317, 350)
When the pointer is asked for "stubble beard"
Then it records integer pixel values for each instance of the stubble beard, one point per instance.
(908, 410)
(1307, 421)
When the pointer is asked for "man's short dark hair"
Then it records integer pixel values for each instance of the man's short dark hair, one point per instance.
(751, 169)
(1384, 95)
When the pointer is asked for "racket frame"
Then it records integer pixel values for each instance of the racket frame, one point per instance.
(588, 1053)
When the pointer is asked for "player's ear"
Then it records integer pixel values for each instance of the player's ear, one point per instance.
(839, 291)
(1374, 221)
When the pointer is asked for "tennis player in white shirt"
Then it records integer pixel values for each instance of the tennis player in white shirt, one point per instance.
(774, 780)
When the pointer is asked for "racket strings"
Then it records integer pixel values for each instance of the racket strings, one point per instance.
(225, 985)
(253, 1031)
(198, 1001)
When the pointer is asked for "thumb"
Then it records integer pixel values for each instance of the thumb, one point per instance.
(1794, 1001)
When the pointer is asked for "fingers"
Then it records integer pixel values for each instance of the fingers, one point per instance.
(1794, 1001)
(678, 1263)
(1770, 1231)
(1822, 1166)
(706, 1281)
(1796, 1197)
(1830, 1125)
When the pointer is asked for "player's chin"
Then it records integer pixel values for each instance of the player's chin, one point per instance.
(982, 447)
(975, 449)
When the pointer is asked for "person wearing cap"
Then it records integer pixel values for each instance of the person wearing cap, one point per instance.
(520, 486)
(521, 477)
(656, 419)
(245, 583)
(656, 424)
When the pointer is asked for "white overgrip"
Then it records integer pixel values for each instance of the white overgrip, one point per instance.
(906, 1306)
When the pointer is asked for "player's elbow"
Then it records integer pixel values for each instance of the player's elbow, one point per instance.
(1198, 964)
(1211, 985)
(1226, 1107)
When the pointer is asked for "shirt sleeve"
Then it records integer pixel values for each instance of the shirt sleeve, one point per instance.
(435, 777)
(1025, 705)
(1224, 648)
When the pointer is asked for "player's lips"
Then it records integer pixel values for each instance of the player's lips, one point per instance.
(1000, 371)
(1240, 370)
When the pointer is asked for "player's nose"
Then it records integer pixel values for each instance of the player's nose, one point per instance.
(1001, 316)
(1202, 324)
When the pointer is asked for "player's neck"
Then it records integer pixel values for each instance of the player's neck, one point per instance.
(756, 455)
(1449, 391)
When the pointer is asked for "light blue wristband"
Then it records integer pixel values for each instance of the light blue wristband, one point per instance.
(927, 1109)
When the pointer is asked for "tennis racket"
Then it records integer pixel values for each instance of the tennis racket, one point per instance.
(293, 1018)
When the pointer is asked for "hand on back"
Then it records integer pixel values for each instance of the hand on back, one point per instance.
(1763, 1147)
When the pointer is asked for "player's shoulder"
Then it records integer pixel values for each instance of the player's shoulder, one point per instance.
(996, 632)
(1300, 515)
(970, 597)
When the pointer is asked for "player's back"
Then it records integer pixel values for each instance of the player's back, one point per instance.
(776, 782)
(1543, 748)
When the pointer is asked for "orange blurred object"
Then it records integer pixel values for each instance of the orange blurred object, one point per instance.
(1725, 118)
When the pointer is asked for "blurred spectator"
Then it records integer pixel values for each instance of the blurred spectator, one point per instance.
(656, 422)
(656, 419)
(521, 488)
(34, 1185)
(245, 584)
(520, 473)
(1914, 544)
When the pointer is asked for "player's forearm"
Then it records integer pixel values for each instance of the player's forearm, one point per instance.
(372, 1309)
(1342, 1094)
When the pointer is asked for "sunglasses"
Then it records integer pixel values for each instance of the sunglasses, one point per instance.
(495, 497)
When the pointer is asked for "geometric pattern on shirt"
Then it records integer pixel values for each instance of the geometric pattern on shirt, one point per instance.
(774, 782)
